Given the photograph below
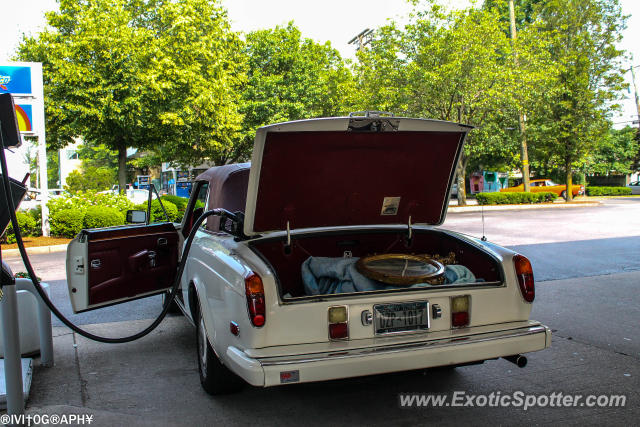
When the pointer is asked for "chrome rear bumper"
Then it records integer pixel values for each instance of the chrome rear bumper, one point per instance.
(389, 358)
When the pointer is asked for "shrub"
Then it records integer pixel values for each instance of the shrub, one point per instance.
(180, 202)
(79, 203)
(66, 222)
(608, 191)
(82, 200)
(514, 198)
(91, 178)
(99, 217)
(157, 215)
(36, 214)
(27, 227)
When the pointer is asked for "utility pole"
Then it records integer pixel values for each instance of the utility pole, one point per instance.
(522, 118)
(635, 92)
(362, 39)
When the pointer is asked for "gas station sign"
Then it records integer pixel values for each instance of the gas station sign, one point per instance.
(15, 80)
(23, 80)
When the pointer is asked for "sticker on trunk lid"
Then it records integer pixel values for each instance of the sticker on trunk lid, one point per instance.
(390, 206)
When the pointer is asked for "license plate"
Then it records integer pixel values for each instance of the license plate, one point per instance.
(401, 317)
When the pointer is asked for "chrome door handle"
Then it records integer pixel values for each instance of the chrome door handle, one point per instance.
(152, 259)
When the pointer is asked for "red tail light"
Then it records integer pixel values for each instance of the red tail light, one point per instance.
(338, 331)
(459, 320)
(338, 318)
(255, 299)
(460, 311)
(524, 273)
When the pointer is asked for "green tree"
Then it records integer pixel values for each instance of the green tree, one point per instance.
(291, 78)
(447, 65)
(140, 73)
(97, 155)
(615, 154)
(524, 11)
(587, 80)
(90, 178)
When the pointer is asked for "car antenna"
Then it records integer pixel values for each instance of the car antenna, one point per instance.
(484, 238)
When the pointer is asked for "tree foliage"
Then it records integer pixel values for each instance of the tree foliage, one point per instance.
(169, 77)
(587, 80)
(97, 155)
(447, 65)
(290, 78)
(616, 153)
(140, 73)
(90, 178)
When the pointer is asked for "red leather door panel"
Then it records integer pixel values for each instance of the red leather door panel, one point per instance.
(127, 262)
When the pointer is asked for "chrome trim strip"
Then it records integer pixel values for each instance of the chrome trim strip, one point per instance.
(397, 348)
(448, 287)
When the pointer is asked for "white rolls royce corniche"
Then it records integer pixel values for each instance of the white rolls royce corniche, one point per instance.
(323, 260)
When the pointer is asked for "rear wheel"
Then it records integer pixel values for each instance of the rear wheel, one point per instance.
(214, 376)
(564, 194)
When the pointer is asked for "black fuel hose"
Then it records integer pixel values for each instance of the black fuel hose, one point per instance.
(52, 307)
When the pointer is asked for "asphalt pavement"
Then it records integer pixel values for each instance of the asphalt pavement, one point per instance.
(587, 272)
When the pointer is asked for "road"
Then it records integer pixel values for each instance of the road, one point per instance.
(587, 264)
(564, 242)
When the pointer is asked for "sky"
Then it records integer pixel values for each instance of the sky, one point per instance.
(337, 21)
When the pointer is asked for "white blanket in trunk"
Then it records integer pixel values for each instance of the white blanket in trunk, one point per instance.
(322, 275)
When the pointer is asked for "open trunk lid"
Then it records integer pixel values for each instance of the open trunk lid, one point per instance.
(351, 171)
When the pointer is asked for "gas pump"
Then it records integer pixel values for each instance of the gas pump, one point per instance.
(144, 181)
(183, 186)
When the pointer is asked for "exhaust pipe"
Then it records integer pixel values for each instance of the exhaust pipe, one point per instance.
(517, 359)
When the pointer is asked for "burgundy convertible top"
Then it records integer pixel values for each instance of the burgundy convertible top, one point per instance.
(227, 189)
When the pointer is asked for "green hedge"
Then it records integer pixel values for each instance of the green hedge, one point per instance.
(180, 202)
(36, 214)
(99, 217)
(608, 191)
(514, 198)
(66, 222)
(68, 214)
(157, 215)
(81, 201)
(27, 224)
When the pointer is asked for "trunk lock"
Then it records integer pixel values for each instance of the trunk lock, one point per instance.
(366, 317)
(436, 311)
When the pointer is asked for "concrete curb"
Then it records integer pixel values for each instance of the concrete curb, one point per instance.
(477, 208)
(36, 250)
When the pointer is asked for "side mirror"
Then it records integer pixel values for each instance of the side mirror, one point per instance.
(136, 217)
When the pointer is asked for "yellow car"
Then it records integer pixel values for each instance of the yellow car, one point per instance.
(547, 186)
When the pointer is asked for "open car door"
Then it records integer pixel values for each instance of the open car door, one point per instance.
(113, 265)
